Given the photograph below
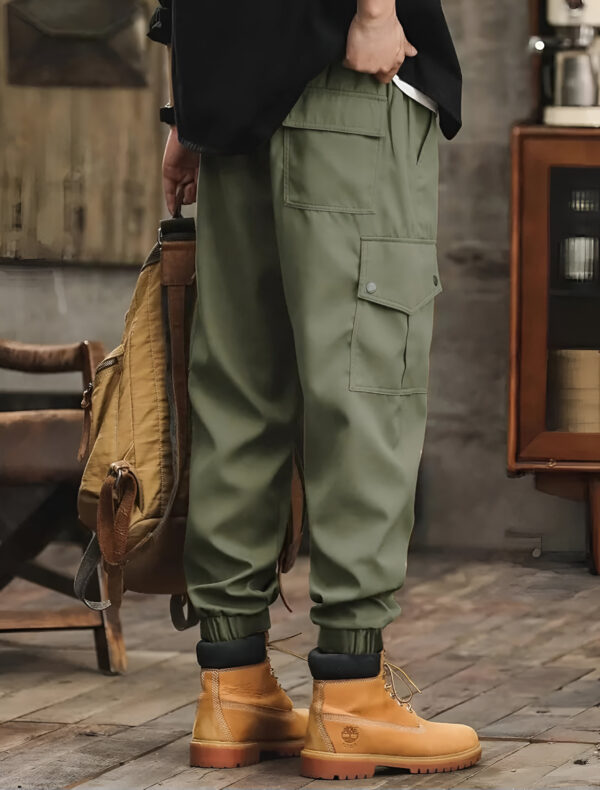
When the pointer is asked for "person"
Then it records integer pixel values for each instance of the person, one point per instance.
(317, 276)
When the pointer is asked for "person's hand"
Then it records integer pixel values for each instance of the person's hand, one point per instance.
(377, 45)
(179, 171)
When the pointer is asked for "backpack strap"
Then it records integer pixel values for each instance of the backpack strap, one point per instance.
(117, 498)
(178, 277)
(85, 572)
(181, 618)
(109, 542)
(296, 527)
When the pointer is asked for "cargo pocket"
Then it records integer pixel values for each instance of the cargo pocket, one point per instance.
(332, 141)
(391, 338)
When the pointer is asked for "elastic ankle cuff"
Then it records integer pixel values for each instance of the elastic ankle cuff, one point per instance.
(354, 641)
(223, 628)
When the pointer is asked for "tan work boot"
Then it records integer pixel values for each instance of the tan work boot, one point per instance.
(243, 712)
(356, 725)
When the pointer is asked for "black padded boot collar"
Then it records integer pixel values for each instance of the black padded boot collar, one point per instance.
(234, 653)
(343, 666)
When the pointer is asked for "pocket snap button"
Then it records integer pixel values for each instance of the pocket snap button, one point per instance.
(435, 279)
(370, 288)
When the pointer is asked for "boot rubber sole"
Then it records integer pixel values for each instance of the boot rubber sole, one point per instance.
(322, 765)
(220, 754)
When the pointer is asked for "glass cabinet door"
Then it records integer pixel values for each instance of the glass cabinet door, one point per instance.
(573, 380)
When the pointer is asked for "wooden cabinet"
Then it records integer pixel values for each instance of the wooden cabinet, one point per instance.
(554, 408)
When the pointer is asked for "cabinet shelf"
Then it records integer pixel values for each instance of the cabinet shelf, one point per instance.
(577, 292)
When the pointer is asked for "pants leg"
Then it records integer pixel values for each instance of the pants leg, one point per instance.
(244, 396)
(354, 171)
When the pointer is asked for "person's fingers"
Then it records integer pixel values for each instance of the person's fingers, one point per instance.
(170, 189)
(385, 76)
(388, 75)
(189, 193)
(409, 50)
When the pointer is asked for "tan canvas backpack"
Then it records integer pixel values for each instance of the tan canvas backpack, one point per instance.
(134, 489)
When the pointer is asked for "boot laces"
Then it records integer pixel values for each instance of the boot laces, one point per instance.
(273, 644)
(394, 673)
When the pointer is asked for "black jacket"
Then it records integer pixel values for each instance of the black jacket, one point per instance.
(239, 67)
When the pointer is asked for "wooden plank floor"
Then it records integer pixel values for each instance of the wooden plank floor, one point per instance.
(512, 649)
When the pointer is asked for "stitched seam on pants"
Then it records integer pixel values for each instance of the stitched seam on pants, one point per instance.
(331, 209)
(432, 122)
(401, 239)
(319, 717)
(286, 167)
(376, 95)
(217, 705)
(385, 391)
(332, 127)
(405, 354)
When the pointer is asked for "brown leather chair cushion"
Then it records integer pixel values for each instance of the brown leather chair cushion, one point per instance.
(40, 446)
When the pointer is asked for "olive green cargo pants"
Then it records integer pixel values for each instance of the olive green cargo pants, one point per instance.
(317, 272)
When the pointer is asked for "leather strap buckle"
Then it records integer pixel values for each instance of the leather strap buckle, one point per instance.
(117, 470)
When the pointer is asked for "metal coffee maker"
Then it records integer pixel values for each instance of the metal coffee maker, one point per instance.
(573, 82)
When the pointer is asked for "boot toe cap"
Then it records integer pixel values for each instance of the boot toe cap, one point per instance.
(468, 737)
(451, 738)
(463, 738)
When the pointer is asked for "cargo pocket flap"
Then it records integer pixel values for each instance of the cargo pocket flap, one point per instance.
(399, 273)
(329, 110)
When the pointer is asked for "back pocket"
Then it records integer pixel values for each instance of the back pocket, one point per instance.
(331, 150)
(391, 338)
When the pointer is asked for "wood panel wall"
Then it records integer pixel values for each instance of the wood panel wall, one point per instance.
(80, 167)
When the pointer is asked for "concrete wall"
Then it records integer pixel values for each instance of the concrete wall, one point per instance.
(62, 304)
(466, 498)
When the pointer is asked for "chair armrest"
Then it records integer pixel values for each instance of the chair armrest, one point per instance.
(51, 359)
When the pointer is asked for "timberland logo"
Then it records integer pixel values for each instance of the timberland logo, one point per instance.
(350, 735)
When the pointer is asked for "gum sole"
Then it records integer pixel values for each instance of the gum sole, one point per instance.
(362, 766)
(215, 754)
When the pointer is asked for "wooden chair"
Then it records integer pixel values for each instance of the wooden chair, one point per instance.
(39, 448)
